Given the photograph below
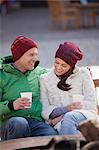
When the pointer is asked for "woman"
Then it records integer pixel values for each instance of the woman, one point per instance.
(60, 85)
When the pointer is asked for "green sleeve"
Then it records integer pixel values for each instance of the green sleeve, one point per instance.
(4, 110)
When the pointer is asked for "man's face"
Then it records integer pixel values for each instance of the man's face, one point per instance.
(28, 59)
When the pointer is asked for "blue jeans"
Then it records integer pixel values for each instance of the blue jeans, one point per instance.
(19, 127)
(70, 122)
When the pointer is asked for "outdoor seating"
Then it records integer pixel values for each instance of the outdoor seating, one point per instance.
(87, 10)
(63, 14)
(40, 142)
(73, 13)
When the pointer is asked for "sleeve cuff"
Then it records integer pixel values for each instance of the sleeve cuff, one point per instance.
(10, 105)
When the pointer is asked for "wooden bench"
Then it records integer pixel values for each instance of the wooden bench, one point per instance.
(67, 13)
(62, 14)
(37, 141)
(95, 74)
(88, 12)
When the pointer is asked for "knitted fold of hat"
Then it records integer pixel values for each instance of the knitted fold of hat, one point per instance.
(69, 52)
(20, 45)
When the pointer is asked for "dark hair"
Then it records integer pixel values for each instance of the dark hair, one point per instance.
(62, 83)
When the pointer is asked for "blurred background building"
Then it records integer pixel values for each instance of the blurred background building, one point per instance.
(34, 18)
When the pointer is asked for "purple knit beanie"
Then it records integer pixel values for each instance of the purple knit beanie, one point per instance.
(69, 52)
(20, 45)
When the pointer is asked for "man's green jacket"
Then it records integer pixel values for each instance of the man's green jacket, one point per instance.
(12, 83)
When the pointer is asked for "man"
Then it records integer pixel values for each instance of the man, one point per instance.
(20, 73)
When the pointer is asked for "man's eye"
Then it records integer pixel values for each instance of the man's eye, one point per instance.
(56, 63)
(31, 54)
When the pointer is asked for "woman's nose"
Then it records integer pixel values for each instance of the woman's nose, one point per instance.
(58, 67)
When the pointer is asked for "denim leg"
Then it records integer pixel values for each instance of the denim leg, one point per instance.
(15, 127)
(39, 128)
(70, 122)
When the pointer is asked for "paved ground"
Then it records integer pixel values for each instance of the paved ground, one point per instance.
(35, 23)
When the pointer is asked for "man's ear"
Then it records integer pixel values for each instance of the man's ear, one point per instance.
(36, 64)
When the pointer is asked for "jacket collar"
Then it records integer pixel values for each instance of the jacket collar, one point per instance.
(6, 65)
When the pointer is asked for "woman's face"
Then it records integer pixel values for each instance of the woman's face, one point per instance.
(60, 66)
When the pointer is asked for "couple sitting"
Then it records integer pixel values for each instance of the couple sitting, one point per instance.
(52, 92)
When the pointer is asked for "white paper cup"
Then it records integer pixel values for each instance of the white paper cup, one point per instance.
(27, 95)
(78, 98)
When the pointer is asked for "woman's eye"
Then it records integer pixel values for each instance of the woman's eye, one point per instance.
(64, 66)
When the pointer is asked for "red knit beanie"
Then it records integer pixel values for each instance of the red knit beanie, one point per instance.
(69, 52)
(20, 46)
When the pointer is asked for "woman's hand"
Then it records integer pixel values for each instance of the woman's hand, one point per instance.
(54, 121)
(74, 105)
(20, 103)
